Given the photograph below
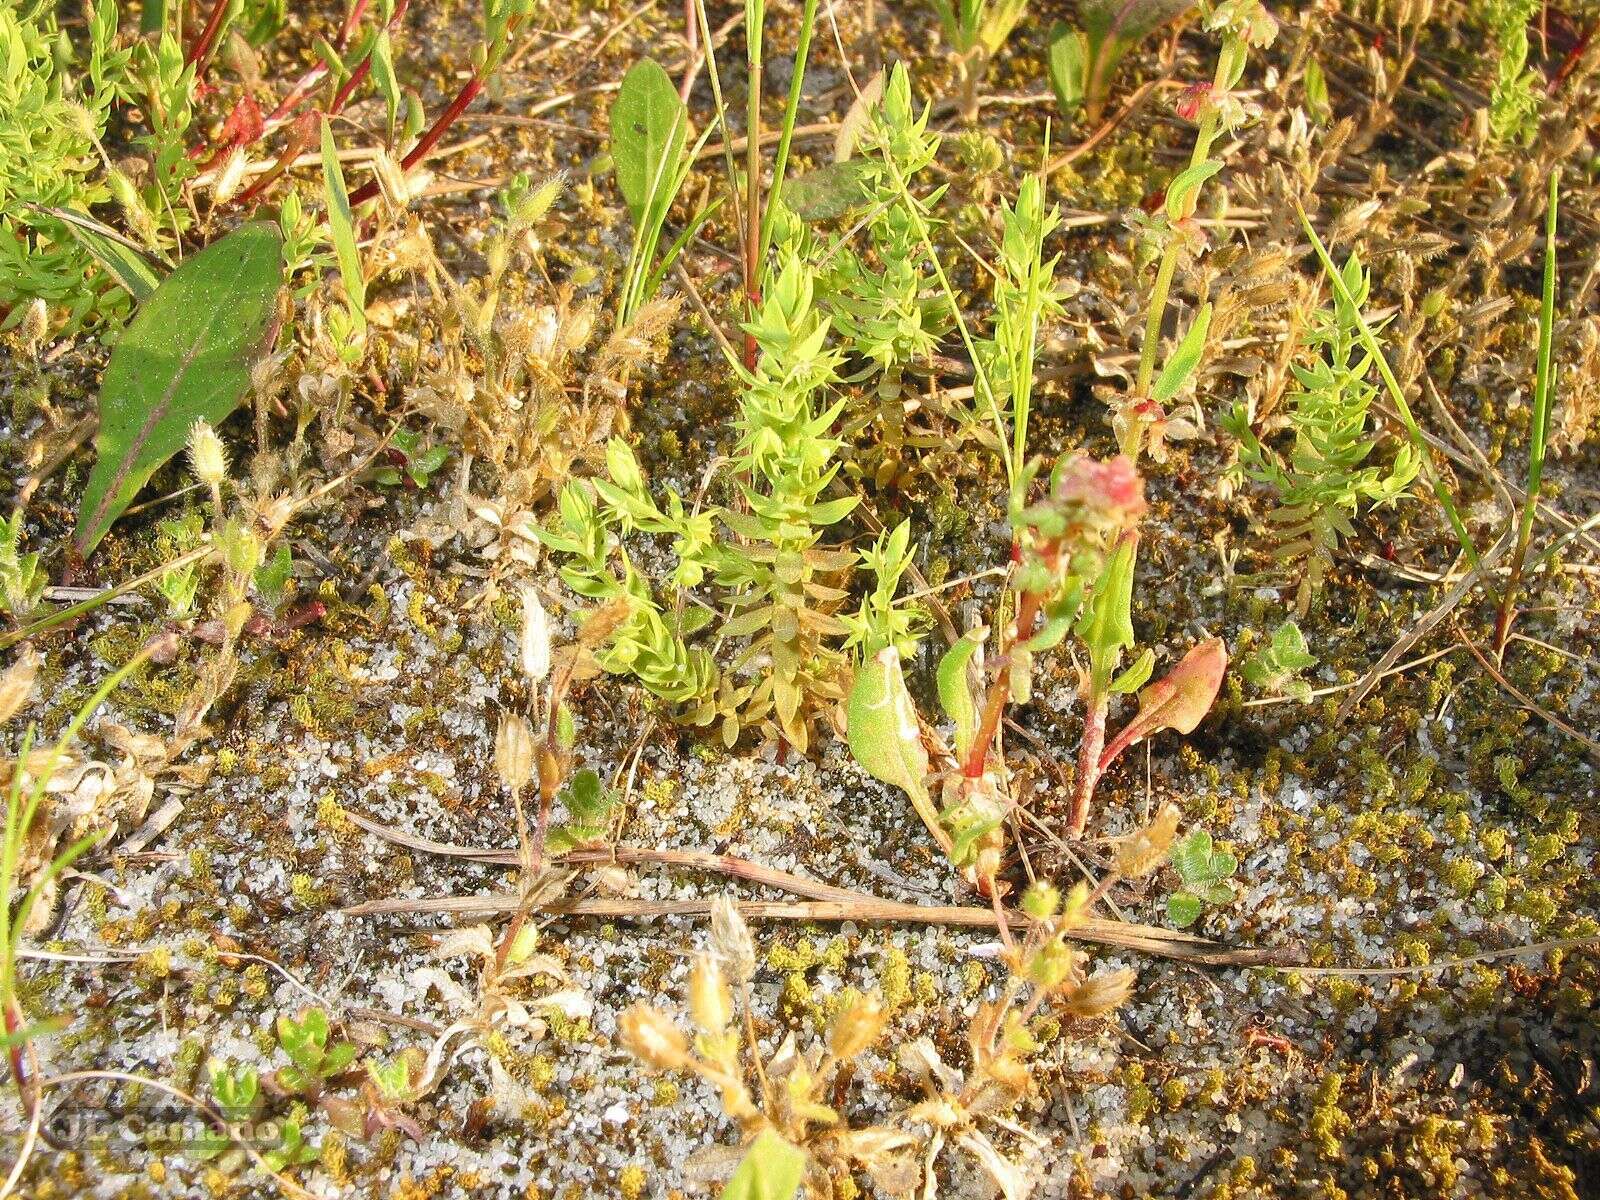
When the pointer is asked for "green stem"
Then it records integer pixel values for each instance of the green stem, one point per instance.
(1169, 255)
(754, 20)
(791, 112)
(1539, 428)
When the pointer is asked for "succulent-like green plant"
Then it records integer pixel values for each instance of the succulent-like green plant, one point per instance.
(1325, 476)
(1205, 872)
(1275, 667)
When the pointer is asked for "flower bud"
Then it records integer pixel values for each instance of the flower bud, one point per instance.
(1041, 901)
(207, 456)
(731, 940)
(710, 1001)
(535, 640)
(513, 752)
(857, 1027)
(651, 1037)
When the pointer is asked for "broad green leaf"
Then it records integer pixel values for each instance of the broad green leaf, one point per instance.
(649, 126)
(883, 731)
(342, 229)
(1183, 909)
(1184, 359)
(185, 356)
(771, 1169)
(955, 696)
(1183, 191)
(1192, 858)
(124, 261)
(1069, 65)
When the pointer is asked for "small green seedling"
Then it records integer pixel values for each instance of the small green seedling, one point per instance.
(180, 585)
(22, 583)
(589, 803)
(1205, 872)
(1276, 666)
(1084, 58)
(237, 1092)
(313, 1061)
(410, 463)
(272, 579)
(292, 1149)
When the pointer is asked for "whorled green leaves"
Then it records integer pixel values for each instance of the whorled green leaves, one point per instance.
(185, 356)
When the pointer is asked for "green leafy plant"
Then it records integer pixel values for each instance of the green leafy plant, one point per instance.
(1084, 58)
(1205, 872)
(779, 587)
(186, 356)
(1170, 235)
(291, 1150)
(236, 1092)
(22, 580)
(882, 301)
(179, 585)
(1275, 667)
(1539, 421)
(1324, 479)
(975, 30)
(650, 146)
(56, 96)
(411, 464)
(312, 1060)
(1515, 98)
(589, 804)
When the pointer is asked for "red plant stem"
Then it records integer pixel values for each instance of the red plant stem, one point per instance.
(342, 96)
(307, 82)
(19, 1074)
(302, 137)
(202, 44)
(1000, 689)
(1090, 767)
(429, 140)
(352, 18)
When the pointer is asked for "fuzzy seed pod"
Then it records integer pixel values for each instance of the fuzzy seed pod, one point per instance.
(1101, 993)
(730, 938)
(513, 752)
(1140, 853)
(16, 685)
(857, 1027)
(207, 456)
(535, 640)
(710, 1001)
(651, 1037)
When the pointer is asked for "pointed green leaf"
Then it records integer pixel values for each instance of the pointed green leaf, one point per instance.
(342, 228)
(770, 1170)
(186, 355)
(124, 261)
(955, 696)
(1184, 359)
(649, 126)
